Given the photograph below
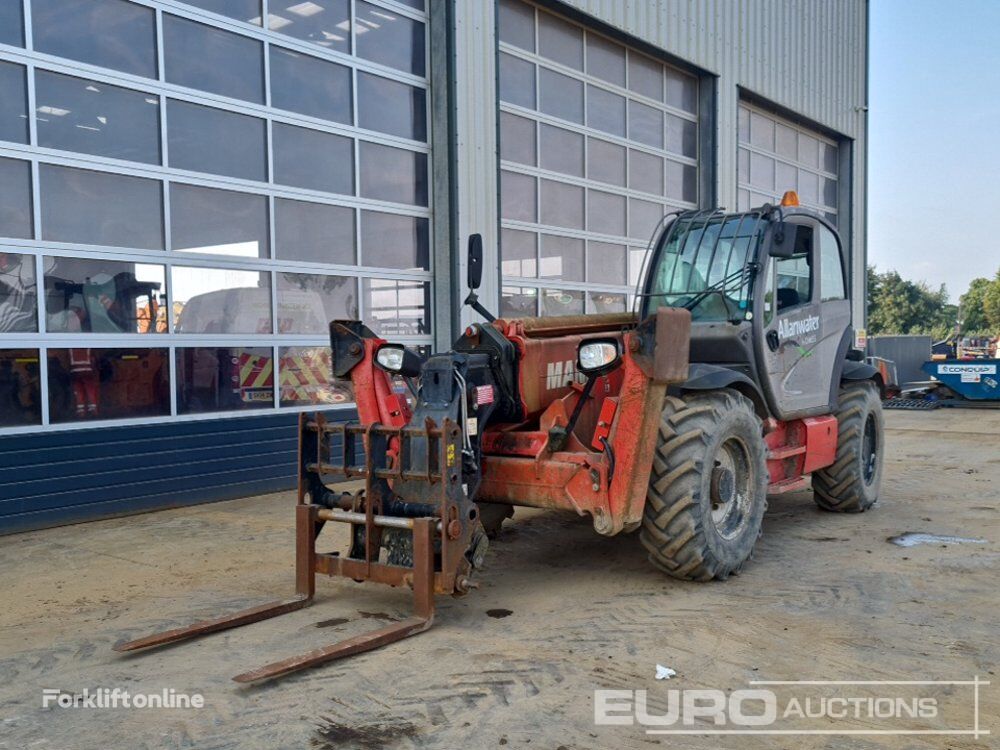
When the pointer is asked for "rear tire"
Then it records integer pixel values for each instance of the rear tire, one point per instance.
(851, 484)
(707, 487)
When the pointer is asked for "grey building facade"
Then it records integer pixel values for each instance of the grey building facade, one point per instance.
(189, 191)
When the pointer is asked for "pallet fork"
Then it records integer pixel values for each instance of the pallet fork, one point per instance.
(439, 542)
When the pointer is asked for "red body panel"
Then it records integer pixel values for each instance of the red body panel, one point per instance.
(797, 448)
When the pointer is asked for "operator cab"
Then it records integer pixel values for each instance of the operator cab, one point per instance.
(768, 299)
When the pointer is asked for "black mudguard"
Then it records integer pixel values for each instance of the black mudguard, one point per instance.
(854, 371)
(706, 377)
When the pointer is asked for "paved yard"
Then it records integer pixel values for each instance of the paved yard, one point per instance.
(826, 597)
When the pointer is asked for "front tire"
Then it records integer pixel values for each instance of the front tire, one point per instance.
(708, 486)
(851, 484)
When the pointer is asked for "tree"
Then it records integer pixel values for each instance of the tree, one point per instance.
(898, 306)
(972, 305)
(991, 305)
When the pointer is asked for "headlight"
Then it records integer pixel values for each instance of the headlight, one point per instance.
(390, 357)
(598, 356)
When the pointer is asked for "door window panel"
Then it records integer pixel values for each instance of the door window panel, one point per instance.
(518, 302)
(18, 293)
(392, 107)
(389, 38)
(560, 41)
(606, 60)
(561, 257)
(100, 208)
(395, 241)
(517, 139)
(209, 59)
(308, 302)
(312, 159)
(224, 379)
(14, 95)
(241, 10)
(605, 263)
(84, 295)
(306, 378)
(326, 23)
(606, 111)
(560, 96)
(110, 33)
(75, 114)
(392, 174)
(220, 300)
(314, 232)
(310, 86)
(20, 388)
(562, 302)
(89, 384)
(205, 139)
(517, 24)
(220, 222)
(520, 253)
(517, 81)
(561, 150)
(12, 24)
(396, 307)
(15, 199)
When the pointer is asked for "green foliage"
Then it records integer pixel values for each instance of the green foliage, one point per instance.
(973, 307)
(991, 305)
(898, 306)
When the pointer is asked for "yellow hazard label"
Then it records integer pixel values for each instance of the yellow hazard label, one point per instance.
(451, 455)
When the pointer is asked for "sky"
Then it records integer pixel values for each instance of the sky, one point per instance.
(934, 140)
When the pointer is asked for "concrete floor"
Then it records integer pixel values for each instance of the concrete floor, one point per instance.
(826, 597)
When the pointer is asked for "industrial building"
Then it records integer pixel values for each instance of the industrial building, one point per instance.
(190, 191)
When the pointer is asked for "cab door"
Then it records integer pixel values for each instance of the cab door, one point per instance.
(801, 333)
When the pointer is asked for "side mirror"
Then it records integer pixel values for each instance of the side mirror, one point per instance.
(397, 359)
(783, 240)
(598, 357)
(475, 261)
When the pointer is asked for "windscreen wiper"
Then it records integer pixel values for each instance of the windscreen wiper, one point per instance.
(719, 287)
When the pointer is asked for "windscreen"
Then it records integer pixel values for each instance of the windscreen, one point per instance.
(703, 265)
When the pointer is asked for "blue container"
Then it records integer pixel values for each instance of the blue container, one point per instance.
(974, 379)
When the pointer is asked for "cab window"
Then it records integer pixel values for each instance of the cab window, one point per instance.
(794, 276)
(831, 268)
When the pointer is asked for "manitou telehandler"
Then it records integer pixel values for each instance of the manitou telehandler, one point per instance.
(734, 378)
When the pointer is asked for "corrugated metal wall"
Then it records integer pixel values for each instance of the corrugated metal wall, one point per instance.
(49, 479)
(806, 56)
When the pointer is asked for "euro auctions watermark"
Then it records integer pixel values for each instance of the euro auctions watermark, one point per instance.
(801, 707)
(102, 698)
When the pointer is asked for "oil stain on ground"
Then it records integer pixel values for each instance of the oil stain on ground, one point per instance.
(499, 612)
(332, 734)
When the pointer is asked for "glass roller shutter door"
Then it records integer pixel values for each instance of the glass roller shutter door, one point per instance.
(776, 155)
(184, 226)
(597, 142)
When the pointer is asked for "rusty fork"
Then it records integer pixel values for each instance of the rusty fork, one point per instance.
(309, 518)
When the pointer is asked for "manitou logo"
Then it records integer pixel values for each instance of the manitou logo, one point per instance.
(789, 328)
(558, 374)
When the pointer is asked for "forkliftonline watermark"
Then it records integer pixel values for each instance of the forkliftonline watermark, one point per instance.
(801, 707)
(120, 698)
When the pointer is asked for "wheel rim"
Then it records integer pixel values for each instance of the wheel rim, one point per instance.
(732, 487)
(869, 450)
